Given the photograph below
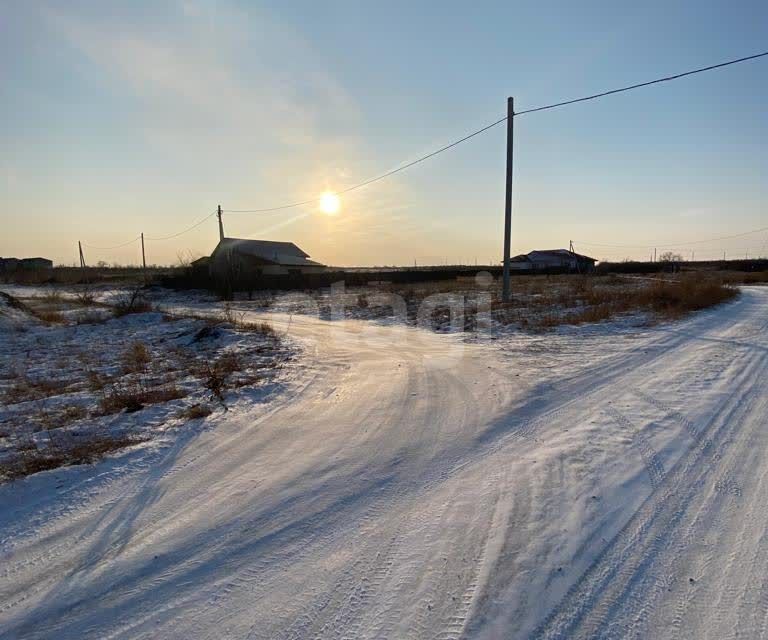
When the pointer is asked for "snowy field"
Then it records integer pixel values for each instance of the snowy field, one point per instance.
(602, 481)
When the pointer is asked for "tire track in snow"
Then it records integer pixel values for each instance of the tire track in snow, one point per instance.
(598, 594)
(651, 460)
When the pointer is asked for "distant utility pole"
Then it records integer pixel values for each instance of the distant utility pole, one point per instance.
(82, 258)
(143, 255)
(508, 197)
(221, 224)
(654, 254)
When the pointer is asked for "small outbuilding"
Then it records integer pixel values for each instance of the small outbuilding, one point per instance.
(8, 265)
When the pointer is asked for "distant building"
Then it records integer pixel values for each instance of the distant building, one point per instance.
(556, 259)
(36, 264)
(245, 260)
(9, 265)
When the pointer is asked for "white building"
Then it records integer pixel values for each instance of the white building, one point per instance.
(552, 259)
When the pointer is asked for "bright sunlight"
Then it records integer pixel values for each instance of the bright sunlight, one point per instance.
(330, 203)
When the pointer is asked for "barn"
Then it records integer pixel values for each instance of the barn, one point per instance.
(239, 259)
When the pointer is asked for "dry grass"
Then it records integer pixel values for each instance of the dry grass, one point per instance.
(85, 298)
(50, 316)
(135, 396)
(57, 418)
(237, 320)
(667, 299)
(216, 375)
(195, 412)
(90, 317)
(26, 388)
(31, 458)
(738, 277)
(136, 358)
(131, 302)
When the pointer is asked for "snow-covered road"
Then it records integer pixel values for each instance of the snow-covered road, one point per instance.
(419, 486)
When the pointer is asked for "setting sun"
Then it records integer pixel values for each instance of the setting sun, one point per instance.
(330, 203)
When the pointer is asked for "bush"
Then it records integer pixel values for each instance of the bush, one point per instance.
(136, 358)
(85, 298)
(131, 302)
(216, 376)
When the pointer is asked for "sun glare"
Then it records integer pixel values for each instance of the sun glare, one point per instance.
(330, 203)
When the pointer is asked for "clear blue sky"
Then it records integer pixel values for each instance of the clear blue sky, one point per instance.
(118, 118)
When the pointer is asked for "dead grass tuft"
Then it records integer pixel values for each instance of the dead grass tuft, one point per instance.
(31, 458)
(136, 358)
(131, 302)
(195, 412)
(135, 396)
(50, 316)
(26, 388)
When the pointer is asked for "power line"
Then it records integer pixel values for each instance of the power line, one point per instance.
(498, 122)
(375, 178)
(116, 246)
(175, 235)
(643, 84)
(456, 143)
(672, 244)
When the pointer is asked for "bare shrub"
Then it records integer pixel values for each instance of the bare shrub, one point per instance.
(215, 376)
(136, 358)
(85, 298)
(131, 302)
(52, 296)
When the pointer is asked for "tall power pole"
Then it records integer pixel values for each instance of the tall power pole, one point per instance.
(508, 197)
(143, 255)
(221, 224)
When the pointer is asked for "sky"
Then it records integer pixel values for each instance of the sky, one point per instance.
(123, 118)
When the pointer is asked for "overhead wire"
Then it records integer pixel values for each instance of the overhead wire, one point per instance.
(175, 235)
(670, 244)
(500, 121)
(463, 139)
(115, 246)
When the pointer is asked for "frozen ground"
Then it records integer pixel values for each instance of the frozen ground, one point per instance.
(605, 482)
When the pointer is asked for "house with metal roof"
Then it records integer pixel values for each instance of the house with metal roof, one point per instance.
(555, 259)
(243, 259)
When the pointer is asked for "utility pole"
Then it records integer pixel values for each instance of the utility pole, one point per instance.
(143, 255)
(82, 261)
(221, 224)
(508, 197)
(654, 254)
